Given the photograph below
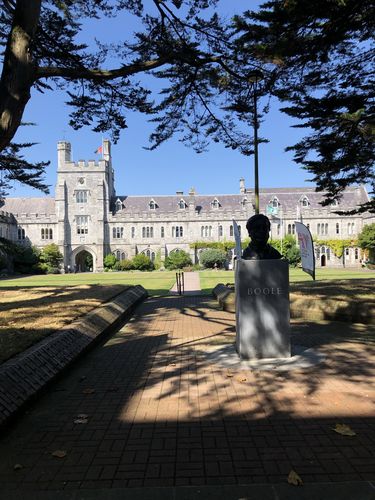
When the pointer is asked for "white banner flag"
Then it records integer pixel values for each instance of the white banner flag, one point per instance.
(237, 239)
(306, 248)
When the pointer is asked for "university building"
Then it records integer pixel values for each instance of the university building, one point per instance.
(87, 216)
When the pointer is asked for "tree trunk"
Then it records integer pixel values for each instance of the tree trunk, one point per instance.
(19, 70)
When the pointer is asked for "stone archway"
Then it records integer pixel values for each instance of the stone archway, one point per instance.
(84, 262)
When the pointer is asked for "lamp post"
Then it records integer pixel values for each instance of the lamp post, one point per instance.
(254, 77)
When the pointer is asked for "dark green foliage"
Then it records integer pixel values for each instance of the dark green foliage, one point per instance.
(320, 57)
(109, 261)
(25, 259)
(177, 260)
(366, 240)
(124, 265)
(51, 256)
(288, 249)
(213, 257)
(142, 263)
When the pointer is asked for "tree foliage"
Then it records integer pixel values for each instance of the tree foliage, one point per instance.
(321, 55)
(177, 260)
(366, 238)
(184, 43)
(213, 257)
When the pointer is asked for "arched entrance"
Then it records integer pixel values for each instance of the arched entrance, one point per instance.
(84, 262)
(323, 260)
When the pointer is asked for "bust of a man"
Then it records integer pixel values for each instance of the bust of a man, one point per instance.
(258, 227)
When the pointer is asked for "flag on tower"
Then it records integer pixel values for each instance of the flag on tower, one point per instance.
(99, 150)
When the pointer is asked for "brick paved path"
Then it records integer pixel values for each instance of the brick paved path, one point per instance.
(192, 284)
(159, 413)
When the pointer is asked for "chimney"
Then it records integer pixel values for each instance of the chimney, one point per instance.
(179, 193)
(242, 186)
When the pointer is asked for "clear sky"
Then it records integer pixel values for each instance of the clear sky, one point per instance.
(172, 167)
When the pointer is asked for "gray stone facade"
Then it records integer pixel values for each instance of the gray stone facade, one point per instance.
(88, 217)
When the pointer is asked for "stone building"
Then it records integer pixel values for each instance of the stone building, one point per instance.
(88, 220)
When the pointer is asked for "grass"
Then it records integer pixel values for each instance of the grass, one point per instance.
(32, 307)
(156, 283)
(29, 314)
(209, 279)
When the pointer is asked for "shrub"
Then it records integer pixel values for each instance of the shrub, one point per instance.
(142, 262)
(109, 261)
(213, 257)
(177, 260)
(24, 259)
(124, 265)
(51, 256)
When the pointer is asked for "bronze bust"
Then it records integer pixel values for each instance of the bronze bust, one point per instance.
(258, 227)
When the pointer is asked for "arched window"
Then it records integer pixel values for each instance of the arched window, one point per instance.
(153, 256)
(210, 231)
(230, 230)
(118, 254)
(50, 234)
(304, 201)
(41, 234)
(123, 256)
(239, 229)
(328, 253)
(337, 228)
(143, 232)
(317, 253)
(118, 205)
(275, 202)
(326, 228)
(202, 231)
(162, 232)
(148, 253)
(133, 232)
(114, 232)
(220, 231)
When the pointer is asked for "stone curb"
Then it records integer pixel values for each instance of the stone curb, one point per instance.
(23, 376)
(302, 308)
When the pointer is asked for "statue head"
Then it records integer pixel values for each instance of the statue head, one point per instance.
(258, 227)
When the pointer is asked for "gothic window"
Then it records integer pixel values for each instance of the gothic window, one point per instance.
(230, 230)
(133, 232)
(220, 231)
(347, 252)
(215, 203)
(153, 256)
(82, 224)
(147, 232)
(118, 232)
(337, 228)
(81, 196)
(177, 232)
(123, 256)
(328, 253)
(239, 229)
(278, 229)
(118, 254)
(202, 231)
(50, 234)
(318, 229)
(209, 231)
(118, 205)
(291, 229)
(275, 202)
(317, 253)
(162, 232)
(304, 201)
(21, 233)
(326, 229)
(42, 234)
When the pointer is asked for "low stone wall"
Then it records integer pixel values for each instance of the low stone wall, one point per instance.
(303, 308)
(23, 376)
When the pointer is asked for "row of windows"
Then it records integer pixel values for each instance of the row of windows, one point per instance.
(46, 233)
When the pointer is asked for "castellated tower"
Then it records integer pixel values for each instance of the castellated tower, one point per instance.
(83, 193)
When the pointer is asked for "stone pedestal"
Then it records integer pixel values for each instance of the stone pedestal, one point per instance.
(262, 309)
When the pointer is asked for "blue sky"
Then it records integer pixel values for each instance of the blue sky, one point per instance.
(172, 167)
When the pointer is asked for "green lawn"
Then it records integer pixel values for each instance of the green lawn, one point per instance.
(209, 279)
(156, 283)
(160, 282)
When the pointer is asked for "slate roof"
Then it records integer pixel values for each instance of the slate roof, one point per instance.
(40, 206)
(288, 198)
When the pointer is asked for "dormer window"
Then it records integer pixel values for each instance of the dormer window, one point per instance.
(152, 205)
(275, 202)
(304, 202)
(118, 205)
(215, 203)
(244, 202)
(182, 204)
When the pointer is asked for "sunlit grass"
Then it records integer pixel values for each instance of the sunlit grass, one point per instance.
(156, 283)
